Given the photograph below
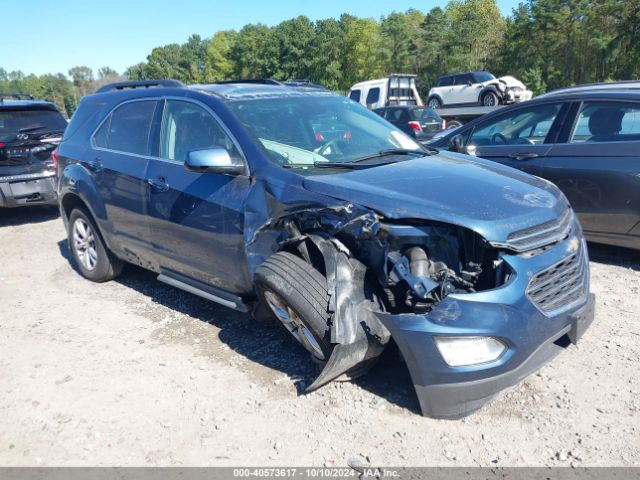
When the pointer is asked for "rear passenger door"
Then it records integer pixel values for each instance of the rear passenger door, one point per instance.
(122, 146)
(597, 166)
(196, 219)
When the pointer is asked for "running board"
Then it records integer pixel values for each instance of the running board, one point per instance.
(205, 291)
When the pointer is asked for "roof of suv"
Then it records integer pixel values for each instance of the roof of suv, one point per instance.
(231, 90)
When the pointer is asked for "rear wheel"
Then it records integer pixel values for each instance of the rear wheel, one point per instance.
(296, 294)
(92, 257)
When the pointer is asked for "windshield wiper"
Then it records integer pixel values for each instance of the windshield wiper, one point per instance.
(386, 153)
(31, 128)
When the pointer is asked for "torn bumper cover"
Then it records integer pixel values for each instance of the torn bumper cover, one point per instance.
(531, 339)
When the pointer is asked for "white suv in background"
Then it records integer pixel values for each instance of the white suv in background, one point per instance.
(473, 88)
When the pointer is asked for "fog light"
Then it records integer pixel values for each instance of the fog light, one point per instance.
(463, 351)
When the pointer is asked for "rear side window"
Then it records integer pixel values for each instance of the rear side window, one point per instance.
(445, 82)
(607, 122)
(128, 128)
(355, 95)
(373, 96)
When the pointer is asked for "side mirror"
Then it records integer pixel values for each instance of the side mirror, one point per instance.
(213, 160)
(456, 143)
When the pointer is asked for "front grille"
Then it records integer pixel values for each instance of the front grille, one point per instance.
(560, 286)
(542, 234)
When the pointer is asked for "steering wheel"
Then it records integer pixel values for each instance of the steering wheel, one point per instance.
(496, 136)
(331, 144)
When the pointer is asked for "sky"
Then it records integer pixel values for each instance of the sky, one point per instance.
(51, 36)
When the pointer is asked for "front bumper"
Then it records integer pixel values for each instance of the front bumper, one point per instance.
(506, 313)
(28, 189)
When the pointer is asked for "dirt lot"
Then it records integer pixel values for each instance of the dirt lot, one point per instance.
(134, 372)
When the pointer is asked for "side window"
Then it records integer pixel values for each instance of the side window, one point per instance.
(102, 135)
(373, 96)
(186, 127)
(607, 122)
(463, 79)
(128, 128)
(355, 95)
(445, 82)
(525, 126)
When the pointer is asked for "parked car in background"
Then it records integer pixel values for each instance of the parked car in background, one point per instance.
(587, 87)
(421, 123)
(396, 89)
(224, 192)
(29, 132)
(586, 142)
(473, 88)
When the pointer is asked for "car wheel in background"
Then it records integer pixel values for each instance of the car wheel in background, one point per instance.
(434, 103)
(296, 294)
(92, 257)
(490, 99)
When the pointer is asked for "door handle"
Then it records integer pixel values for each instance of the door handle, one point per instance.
(159, 184)
(95, 165)
(524, 156)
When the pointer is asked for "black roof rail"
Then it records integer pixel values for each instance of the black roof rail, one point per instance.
(261, 81)
(139, 84)
(16, 96)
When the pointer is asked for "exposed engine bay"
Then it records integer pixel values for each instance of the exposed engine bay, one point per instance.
(376, 265)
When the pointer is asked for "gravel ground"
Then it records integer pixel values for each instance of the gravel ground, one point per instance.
(134, 372)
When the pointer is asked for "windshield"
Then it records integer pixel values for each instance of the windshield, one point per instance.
(31, 120)
(484, 77)
(309, 130)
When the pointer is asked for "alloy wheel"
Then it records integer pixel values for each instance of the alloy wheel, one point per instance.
(294, 324)
(84, 244)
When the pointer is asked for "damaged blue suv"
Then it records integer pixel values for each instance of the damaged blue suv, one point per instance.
(300, 203)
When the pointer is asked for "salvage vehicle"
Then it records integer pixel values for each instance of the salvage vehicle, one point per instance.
(478, 272)
(476, 88)
(396, 89)
(421, 123)
(587, 142)
(29, 131)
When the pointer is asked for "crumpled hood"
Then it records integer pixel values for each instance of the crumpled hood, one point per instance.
(488, 198)
(512, 82)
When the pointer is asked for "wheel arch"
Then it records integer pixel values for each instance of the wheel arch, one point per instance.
(489, 88)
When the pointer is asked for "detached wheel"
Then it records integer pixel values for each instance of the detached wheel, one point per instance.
(490, 99)
(92, 257)
(296, 294)
(434, 103)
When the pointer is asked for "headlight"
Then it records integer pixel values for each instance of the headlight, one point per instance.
(464, 351)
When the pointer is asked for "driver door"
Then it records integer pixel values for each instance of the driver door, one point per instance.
(196, 220)
(520, 138)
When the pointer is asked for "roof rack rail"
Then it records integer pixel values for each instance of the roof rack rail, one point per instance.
(16, 96)
(303, 82)
(139, 84)
(261, 81)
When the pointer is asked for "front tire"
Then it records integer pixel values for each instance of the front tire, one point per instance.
(296, 293)
(490, 99)
(93, 259)
(434, 103)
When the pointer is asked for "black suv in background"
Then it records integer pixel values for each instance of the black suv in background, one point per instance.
(421, 123)
(29, 132)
